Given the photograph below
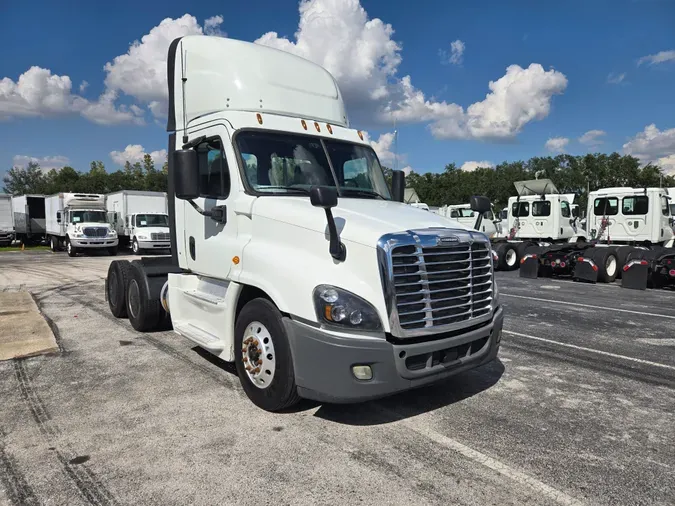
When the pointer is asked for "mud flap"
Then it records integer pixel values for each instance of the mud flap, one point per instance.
(585, 270)
(529, 267)
(635, 275)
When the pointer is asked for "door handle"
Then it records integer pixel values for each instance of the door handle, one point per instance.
(193, 253)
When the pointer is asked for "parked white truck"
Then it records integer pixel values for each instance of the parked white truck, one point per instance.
(78, 222)
(140, 219)
(291, 256)
(29, 218)
(6, 220)
(490, 225)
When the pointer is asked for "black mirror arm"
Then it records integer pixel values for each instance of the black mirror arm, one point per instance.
(337, 249)
(217, 213)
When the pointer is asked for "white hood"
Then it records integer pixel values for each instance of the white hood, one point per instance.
(362, 221)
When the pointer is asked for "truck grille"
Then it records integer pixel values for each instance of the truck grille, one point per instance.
(435, 286)
(95, 231)
(160, 236)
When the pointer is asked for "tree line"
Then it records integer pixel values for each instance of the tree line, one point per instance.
(137, 176)
(570, 174)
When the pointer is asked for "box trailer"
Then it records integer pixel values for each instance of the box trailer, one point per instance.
(29, 218)
(78, 222)
(140, 218)
(6, 220)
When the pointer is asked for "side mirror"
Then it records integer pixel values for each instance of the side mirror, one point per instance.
(323, 196)
(398, 185)
(480, 204)
(186, 174)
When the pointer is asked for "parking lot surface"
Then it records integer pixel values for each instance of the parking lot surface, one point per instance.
(577, 410)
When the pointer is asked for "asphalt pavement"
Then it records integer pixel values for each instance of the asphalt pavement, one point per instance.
(578, 409)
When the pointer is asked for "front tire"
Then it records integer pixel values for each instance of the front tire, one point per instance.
(72, 250)
(263, 357)
(135, 248)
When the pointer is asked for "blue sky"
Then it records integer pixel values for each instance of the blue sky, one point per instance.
(605, 65)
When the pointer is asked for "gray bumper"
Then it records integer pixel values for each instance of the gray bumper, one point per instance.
(323, 362)
(154, 245)
(95, 242)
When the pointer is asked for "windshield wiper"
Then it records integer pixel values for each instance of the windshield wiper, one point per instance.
(367, 193)
(290, 188)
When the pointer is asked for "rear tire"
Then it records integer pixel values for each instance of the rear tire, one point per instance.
(521, 247)
(144, 313)
(260, 322)
(116, 282)
(608, 265)
(508, 257)
(53, 244)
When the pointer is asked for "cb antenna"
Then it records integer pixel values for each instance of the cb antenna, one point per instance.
(183, 81)
(395, 145)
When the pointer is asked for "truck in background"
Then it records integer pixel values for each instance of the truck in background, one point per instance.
(29, 218)
(78, 222)
(291, 255)
(140, 219)
(6, 220)
(490, 225)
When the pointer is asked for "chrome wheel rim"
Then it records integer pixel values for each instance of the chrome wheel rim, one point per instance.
(610, 266)
(258, 355)
(134, 298)
(510, 258)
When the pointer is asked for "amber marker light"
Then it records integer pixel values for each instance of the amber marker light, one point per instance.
(259, 118)
(329, 128)
(304, 124)
(360, 135)
(235, 260)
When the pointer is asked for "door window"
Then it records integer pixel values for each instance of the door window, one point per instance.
(606, 206)
(664, 206)
(214, 174)
(520, 209)
(565, 209)
(541, 208)
(638, 204)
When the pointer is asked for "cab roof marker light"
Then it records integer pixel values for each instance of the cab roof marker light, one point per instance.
(303, 123)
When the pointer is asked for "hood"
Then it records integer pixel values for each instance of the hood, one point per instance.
(87, 224)
(152, 230)
(362, 221)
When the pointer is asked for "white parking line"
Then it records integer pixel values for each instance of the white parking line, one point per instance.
(417, 425)
(672, 317)
(599, 352)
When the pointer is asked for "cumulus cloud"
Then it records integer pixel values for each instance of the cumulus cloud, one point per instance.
(83, 86)
(363, 57)
(407, 170)
(46, 163)
(39, 93)
(613, 78)
(135, 153)
(654, 146)
(212, 26)
(470, 166)
(557, 144)
(456, 56)
(592, 137)
(384, 148)
(660, 57)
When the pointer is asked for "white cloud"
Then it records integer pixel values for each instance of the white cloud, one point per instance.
(384, 148)
(654, 146)
(557, 144)
(212, 26)
(613, 78)
(39, 93)
(83, 86)
(46, 163)
(592, 137)
(135, 153)
(407, 170)
(470, 166)
(660, 57)
(456, 56)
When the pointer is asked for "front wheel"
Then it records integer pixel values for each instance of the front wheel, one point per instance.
(72, 250)
(135, 248)
(263, 357)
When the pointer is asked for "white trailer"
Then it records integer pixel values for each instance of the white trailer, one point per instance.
(29, 218)
(6, 220)
(140, 219)
(78, 222)
(291, 255)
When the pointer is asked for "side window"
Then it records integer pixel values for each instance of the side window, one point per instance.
(520, 209)
(635, 205)
(565, 209)
(664, 206)
(214, 173)
(541, 208)
(454, 213)
(126, 222)
(606, 206)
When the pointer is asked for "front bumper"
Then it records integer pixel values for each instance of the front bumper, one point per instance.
(323, 363)
(154, 244)
(95, 242)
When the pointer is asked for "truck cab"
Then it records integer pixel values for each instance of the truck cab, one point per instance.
(147, 231)
(291, 255)
(490, 225)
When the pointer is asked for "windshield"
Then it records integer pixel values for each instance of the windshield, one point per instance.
(461, 213)
(152, 220)
(672, 209)
(88, 217)
(278, 163)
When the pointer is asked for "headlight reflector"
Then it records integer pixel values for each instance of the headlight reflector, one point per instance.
(340, 308)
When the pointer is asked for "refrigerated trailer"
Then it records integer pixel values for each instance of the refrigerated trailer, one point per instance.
(29, 218)
(290, 254)
(6, 220)
(78, 222)
(140, 219)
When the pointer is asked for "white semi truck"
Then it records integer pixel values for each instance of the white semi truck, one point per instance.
(291, 256)
(490, 225)
(78, 222)
(6, 220)
(140, 219)
(29, 218)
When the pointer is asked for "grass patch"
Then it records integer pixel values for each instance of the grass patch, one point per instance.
(4, 249)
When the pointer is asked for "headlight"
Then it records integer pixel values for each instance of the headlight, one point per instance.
(112, 232)
(337, 307)
(142, 237)
(77, 234)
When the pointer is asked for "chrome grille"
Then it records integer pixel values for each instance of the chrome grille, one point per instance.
(95, 231)
(436, 285)
(160, 236)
